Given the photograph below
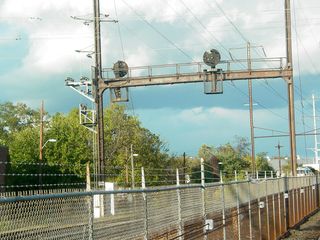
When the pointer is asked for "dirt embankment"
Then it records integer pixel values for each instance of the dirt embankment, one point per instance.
(310, 230)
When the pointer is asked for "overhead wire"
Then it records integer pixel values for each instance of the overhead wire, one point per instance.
(267, 85)
(157, 31)
(198, 20)
(203, 26)
(123, 53)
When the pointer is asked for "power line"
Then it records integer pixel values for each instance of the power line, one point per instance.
(157, 31)
(119, 30)
(266, 108)
(276, 93)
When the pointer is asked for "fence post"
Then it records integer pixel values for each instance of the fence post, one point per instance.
(203, 198)
(267, 205)
(259, 211)
(143, 185)
(88, 180)
(273, 208)
(286, 202)
(179, 206)
(279, 207)
(238, 204)
(91, 209)
(317, 191)
(249, 206)
(223, 207)
(297, 196)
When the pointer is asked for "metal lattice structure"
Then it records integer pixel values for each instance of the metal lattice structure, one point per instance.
(256, 209)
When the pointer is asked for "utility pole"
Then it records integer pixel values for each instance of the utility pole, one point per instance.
(98, 95)
(41, 143)
(279, 156)
(184, 167)
(41, 132)
(132, 167)
(253, 161)
(127, 170)
(290, 89)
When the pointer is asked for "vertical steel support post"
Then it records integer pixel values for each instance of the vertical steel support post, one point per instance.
(253, 161)
(180, 227)
(279, 207)
(286, 202)
(259, 211)
(203, 198)
(91, 216)
(310, 195)
(290, 89)
(293, 202)
(267, 206)
(304, 199)
(97, 94)
(144, 195)
(238, 204)
(249, 208)
(273, 207)
(312, 207)
(223, 207)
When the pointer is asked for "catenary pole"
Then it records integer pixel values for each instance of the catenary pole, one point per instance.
(290, 89)
(98, 95)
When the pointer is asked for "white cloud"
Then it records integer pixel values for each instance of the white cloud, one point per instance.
(190, 128)
(51, 40)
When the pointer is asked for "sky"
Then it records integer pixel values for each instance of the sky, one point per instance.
(39, 39)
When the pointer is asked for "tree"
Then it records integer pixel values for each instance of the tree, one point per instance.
(231, 158)
(262, 163)
(15, 118)
(122, 131)
(24, 155)
(73, 148)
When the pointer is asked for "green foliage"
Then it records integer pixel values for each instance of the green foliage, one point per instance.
(19, 130)
(231, 158)
(262, 162)
(122, 131)
(15, 118)
(74, 143)
(24, 154)
(24, 146)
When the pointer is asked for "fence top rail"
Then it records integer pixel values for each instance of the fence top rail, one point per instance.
(95, 192)
(10, 199)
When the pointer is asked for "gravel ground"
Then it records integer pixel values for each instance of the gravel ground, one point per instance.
(310, 230)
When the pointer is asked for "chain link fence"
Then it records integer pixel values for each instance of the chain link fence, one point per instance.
(253, 209)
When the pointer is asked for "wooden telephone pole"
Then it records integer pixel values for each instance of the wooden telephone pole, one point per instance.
(279, 156)
(41, 143)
